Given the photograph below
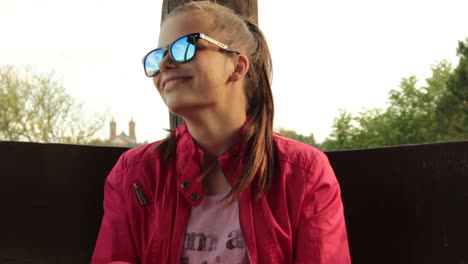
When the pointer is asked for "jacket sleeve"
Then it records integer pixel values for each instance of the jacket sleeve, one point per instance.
(321, 234)
(115, 242)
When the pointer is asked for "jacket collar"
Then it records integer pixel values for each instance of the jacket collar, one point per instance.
(189, 160)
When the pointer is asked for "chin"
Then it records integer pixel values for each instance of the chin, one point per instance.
(185, 109)
(179, 107)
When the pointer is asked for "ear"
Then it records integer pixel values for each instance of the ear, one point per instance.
(241, 67)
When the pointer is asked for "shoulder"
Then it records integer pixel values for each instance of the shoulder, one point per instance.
(135, 163)
(298, 154)
(147, 153)
(306, 168)
(301, 162)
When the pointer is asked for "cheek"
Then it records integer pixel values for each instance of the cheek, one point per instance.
(215, 75)
(156, 81)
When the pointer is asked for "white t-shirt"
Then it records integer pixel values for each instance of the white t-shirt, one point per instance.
(213, 234)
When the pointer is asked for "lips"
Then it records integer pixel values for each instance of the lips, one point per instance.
(172, 82)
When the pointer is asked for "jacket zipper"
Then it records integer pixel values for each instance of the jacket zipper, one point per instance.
(139, 193)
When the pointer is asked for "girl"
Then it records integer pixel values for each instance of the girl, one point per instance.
(222, 188)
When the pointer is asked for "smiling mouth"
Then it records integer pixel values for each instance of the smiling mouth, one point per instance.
(174, 83)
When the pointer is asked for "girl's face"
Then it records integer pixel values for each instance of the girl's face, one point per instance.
(201, 83)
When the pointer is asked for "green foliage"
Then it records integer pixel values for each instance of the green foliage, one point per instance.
(342, 134)
(310, 140)
(35, 107)
(106, 142)
(455, 103)
(434, 112)
(99, 142)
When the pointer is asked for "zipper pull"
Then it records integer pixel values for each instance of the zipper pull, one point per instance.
(139, 193)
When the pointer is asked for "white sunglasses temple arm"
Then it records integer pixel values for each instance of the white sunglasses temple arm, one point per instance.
(216, 43)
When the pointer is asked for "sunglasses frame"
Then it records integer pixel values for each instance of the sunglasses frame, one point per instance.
(196, 37)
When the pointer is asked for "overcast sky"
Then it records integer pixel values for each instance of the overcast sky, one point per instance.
(327, 55)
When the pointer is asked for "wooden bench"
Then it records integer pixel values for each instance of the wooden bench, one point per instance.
(405, 204)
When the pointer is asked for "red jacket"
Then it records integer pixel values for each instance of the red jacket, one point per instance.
(147, 206)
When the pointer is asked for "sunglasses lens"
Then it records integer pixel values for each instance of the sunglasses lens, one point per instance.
(183, 49)
(152, 61)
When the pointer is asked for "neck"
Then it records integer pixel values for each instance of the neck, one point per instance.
(216, 134)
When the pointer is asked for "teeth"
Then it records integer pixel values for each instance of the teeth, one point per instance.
(173, 81)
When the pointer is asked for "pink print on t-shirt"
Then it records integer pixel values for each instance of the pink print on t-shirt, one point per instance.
(213, 234)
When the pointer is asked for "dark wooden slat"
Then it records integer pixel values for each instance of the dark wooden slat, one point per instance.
(406, 204)
(51, 201)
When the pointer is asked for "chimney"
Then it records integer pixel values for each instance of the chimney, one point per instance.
(131, 130)
(113, 129)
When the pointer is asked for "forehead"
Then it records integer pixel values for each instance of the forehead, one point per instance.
(183, 24)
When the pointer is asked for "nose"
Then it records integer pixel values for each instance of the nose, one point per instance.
(167, 62)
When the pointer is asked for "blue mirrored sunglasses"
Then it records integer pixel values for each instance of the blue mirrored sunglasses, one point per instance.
(181, 50)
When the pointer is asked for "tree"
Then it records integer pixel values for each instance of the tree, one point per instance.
(413, 110)
(35, 107)
(310, 140)
(455, 101)
(413, 116)
(372, 129)
(343, 132)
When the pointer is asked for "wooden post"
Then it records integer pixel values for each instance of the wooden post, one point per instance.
(248, 8)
